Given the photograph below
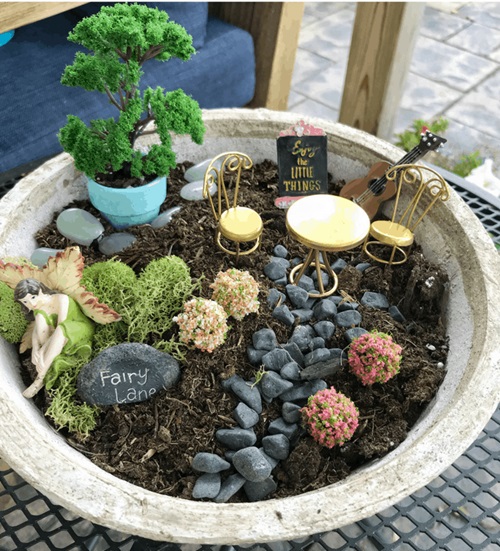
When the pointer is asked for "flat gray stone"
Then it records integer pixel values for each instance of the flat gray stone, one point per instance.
(343, 306)
(303, 315)
(348, 318)
(338, 265)
(165, 217)
(302, 336)
(275, 297)
(229, 487)
(291, 412)
(254, 355)
(276, 268)
(300, 393)
(325, 310)
(324, 329)
(197, 171)
(256, 491)
(317, 342)
(272, 385)
(280, 251)
(396, 314)
(298, 296)
(354, 333)
(247, 393)
(375, 300)
(236, 438)
(295, 352)
(280, 426)
(271, 460)
(207, 486)
(79, 226)
(318, 355)
(276, 359)
(277, 446)
(362, 266)
(116, 242)
(324, 278)
(40, 256)
(209, 463)
(282, 313)
(251, 464)
(245, 417)
(193, 191)
(125, 374)
(264, 339)
(291, 371)
(305, 282)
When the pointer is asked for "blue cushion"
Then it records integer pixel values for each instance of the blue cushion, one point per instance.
(35, 104)
(191, 15)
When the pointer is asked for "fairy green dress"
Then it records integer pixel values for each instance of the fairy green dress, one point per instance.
(79, 330)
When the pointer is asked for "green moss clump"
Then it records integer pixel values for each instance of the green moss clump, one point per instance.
(162, 289)
(12, 321)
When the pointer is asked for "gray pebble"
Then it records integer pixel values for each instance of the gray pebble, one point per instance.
(318, 355)
(275, 297)
(317, 342)
(272, 385)
(207, 486)
(324, 278)
(116, 242)
(298, 296)
(236, 438)
(245, 417)
(276, 359)
(256, 491)
(295, 261)
(209, 463)
(306, 283)
(276, 268)
(343, 306)
(254, 355)
(282, 313)
(277, 446)
(295, 353)
(248, 394)
(337, 353)
(271, 460)
(396, 314)
(335, 299)
(281, 281)
(291, 371)
(300, 393)
(375, 300)
(354, 333)
(291, 412)
(251, 464)
(338, 265)
(264, 339)
(229, 487)
(303, 315)
(302, 336)
(325, 310)
(280, 251)
(362, 266)
(349, 318)
(280, 426)
(324, 329)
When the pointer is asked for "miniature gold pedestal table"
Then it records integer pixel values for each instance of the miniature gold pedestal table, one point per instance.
(325, 224)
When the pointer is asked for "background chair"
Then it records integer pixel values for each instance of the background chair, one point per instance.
(234, 223)
(427, 188)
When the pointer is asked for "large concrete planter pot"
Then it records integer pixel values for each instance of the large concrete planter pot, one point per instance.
(450, 236)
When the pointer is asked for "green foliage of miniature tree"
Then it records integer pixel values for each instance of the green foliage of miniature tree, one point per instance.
(121, 38)
(12, 321)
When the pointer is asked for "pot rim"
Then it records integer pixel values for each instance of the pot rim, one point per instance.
(46, 461)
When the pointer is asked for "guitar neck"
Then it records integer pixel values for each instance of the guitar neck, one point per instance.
(412, 156)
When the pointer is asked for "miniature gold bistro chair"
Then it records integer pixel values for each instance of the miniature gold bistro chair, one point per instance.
(234, 223)
(427, 188)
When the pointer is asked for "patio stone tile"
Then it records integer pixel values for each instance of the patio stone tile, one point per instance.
(439, 25)
(477, 39)
(328, 34)
(426, 96)
(478, 111)
(308, 65)
(484, 13)
(326, 86)
(320, 10)
(307, 19)
(294, 98)
(447, 7)
(491, 86)
(495, 55)
(449, 65)
(404, 120)
(313, 108)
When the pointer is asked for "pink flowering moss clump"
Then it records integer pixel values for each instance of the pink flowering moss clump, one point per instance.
(330, 417)
(374, 357)
(236, 291)
(202, 323)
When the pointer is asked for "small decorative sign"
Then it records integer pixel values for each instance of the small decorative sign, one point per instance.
(126, 373)
(302, 161)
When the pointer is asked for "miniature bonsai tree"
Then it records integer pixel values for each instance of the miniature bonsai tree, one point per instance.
(374, 357)
(330, 417)
(121, 39)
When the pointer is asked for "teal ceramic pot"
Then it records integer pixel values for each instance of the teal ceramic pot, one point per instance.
(125, 207)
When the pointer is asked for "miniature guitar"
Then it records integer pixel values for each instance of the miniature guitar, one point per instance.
(372, 190)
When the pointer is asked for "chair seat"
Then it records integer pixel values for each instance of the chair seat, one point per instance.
(240, 224)
(391, 233)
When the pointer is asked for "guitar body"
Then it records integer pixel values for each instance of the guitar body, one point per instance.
(359, 190)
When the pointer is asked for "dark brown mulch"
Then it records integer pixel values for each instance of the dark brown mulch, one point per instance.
(152, 444)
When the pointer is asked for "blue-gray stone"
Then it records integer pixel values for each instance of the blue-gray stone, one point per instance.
(79, 226)
(311, 302)
(282, 313)
(209, 463)
(165, 217)
(264, 339)
(303, 315)
(280, 426)
(375, 300)
(247, 393)
(324, 278)
(305, 282)
(295, 353)
(125, 374)
(295, 261)
(300, 393)
(276, 268)
(276, 359)
(207, 486)
(318, 355)
(280, 251)
(281, 281)
(275, 297)
(338, 265)
(354, 333)
(197, 171)
(271, 460)
(272, 385)
(236, 438)
(291, 371)
(291, 412)
(335, 299)
(254, 355)
(362, 266)
(251, 464)
(228, 383)
(229, 454)
(348, 318)
(229, 487)
(337, 353)
(40, 256)
(396, 314)
(245, 417)
(324, 329)
(257, 491)
(277, 446)
(302, 336)
(325, 310)
(343, 306)
(317, 342)
(298, 296)
(194, 191)
(116, 242)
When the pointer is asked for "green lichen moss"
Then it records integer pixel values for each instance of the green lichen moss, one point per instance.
(12, 321)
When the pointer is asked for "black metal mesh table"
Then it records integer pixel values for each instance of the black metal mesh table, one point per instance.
(457, 511)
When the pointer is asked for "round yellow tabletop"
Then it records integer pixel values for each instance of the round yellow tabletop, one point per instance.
(327, 222)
